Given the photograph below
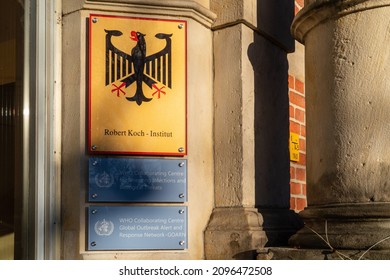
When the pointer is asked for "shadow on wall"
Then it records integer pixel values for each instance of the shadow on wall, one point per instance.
(268, 56)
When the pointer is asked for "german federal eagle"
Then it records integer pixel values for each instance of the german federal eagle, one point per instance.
(137, 67)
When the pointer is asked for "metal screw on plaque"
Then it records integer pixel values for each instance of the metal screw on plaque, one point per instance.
(93, 243)
(180, 26)
(181, 149)
(93, 147)
(181, 195)
(94, 211)
(181, 164)
(181, 243)
(95, 20)
(94, 195)
(181, 211)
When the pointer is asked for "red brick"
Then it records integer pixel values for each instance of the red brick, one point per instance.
(302, 145)
(295, 188)
(300, 203)
(292, 112)
(303, 131)
(299, 86)
(296, 9)
(292, 172)
(291, 82)
(302, 158)
(304, 189)
(292, 203)
(300, 2)
(297, 99)
(300, 174)
(299, 115)
(295, 127)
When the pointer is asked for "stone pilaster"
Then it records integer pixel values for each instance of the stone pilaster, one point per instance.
(347, 107)
(200, 172)
(235, 227)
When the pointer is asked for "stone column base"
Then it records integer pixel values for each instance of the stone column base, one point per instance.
(234, 233)
(280, 253)
(345, 227)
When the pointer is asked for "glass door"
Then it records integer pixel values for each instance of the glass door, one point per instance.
(11, 123)
(30, 129)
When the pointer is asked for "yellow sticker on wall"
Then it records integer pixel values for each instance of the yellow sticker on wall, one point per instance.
(137, 86)
(294, 147)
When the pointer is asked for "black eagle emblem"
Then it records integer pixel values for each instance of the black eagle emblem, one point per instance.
(138, 67)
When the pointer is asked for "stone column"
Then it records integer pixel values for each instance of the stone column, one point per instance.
(348, 123)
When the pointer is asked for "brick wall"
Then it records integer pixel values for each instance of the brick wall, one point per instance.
(298, 5)
(298, 125)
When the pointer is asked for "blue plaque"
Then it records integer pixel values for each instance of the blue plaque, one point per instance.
(137, 180)
(137, 228)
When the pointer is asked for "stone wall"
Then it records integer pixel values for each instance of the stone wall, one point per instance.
(200, 172)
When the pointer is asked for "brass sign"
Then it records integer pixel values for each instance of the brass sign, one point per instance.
(137, 86)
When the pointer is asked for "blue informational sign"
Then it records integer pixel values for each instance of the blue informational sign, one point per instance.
(137, 228)
(137, 180)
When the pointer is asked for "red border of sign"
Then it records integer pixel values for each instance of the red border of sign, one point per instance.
(89, 147)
